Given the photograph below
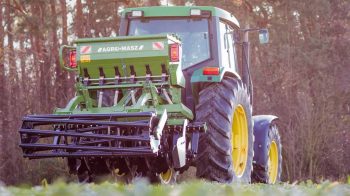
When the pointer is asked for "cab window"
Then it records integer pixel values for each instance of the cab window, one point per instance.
(228, 50)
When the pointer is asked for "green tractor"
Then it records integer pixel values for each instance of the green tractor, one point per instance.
(167, 94)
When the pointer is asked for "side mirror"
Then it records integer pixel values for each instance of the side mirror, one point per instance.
(263, 36)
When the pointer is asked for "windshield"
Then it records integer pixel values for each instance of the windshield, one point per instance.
(192, 32)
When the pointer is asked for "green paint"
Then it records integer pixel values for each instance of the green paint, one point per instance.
(125, 53)
(137, 52)
(166, 11)
(198, 76)
(176, 75)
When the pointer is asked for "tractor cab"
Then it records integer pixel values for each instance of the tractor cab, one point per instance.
(206, 35)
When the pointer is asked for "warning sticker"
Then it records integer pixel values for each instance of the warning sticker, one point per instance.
(85, 58)
(158, 46)
(85, 49)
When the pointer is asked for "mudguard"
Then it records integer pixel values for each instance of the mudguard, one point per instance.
(198, 76)
(261, 128)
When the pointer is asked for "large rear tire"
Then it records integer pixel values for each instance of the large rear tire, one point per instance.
(226, 150)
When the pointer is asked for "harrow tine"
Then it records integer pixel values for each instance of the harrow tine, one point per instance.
(43, 147)
(95, 116)
(86, 135)
(88, 154)
(87, 122)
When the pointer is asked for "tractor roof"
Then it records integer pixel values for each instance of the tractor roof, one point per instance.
(164, 11)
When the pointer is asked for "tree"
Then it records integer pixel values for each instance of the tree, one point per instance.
(3, 105)
(79, 18)
(3, 100)
(9, 163)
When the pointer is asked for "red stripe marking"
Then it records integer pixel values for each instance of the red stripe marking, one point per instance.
(85, 49)
(158, 45)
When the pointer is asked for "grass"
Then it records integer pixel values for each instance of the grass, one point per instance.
(192, 188)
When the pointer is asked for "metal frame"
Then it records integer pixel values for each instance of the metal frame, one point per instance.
(83, 135)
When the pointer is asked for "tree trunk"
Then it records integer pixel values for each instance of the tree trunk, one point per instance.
(152, 3)
(90, 19)
(179, 2)
(79, 24)
(64, 21)
(24, 80)
(3, 105)
(63, 77)
(54, 54)
(3, 100)
(39, 62)
(10, 140)
(116, 18)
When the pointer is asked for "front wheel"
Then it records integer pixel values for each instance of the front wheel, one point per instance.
(269, 171)
(167, 177)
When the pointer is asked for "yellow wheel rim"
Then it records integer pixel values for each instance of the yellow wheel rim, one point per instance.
(273, 163)
(166, 176)
(239, 141)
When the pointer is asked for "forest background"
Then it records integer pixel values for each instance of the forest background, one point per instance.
(302, 75)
